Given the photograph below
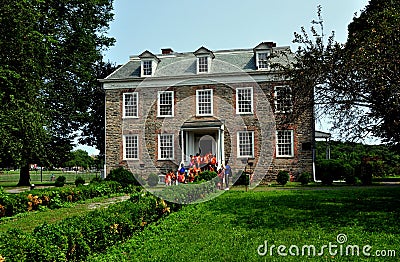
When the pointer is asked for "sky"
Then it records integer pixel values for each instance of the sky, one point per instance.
(186, 25)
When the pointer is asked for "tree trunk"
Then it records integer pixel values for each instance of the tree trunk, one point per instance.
(24, 176)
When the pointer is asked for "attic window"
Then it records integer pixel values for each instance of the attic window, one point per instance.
(202, 64)
(148, 63)
(262, 60)
(204, 57)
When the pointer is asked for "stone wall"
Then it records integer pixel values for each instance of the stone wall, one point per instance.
(148, 126)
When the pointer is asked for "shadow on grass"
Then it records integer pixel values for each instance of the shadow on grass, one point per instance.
(373, 209)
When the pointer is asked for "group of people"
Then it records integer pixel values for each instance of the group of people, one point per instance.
(199, 164)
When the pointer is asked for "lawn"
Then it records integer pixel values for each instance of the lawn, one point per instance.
(250, 226)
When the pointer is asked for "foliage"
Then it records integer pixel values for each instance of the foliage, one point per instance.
(205, 176)
(79, 181)
(79, 158)
(244, 179)
(238, 221)
(52, 198)
(48, 51)
(355, 84)
(282, 177)
(124, 176)
(60, 181)
(188, 193)
(304, 178)
(152, 180)
(73, 239)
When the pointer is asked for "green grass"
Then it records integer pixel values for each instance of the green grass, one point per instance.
(28, 221)
(233, 226)
(11, 178)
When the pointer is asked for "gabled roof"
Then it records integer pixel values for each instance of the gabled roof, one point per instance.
(204, 51)
(264, 46)
(148, 55)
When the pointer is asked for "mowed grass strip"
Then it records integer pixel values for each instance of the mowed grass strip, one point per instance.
(235, 225)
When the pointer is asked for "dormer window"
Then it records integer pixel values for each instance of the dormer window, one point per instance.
(148, 64)
(204, 58)
(262, 60)
(262, 54)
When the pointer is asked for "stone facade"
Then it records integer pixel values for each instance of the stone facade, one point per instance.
(223, 125)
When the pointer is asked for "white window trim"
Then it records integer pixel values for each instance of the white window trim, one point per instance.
(237, 101)
(153, 67)
(238, 145)
(198, 64)
(159, 147)
(258, 61)
(291, 144)
(137, 105)
(197, 102)
(158, 103)
(124, 147)
(276, 100)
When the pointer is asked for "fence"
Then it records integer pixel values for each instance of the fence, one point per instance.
(47, 176)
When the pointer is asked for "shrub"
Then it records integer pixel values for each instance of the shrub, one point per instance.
(79, 181)
(152, 180)
(283, 177)
(304, 178)
(123, 176)
(205, 176)
(60, 181)
(243, 180)
(96, 179)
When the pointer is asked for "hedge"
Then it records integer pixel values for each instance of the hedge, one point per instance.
(73, 239)
(12, 204)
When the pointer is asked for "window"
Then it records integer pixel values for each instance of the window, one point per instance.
(165, 103)
(283, 99)
(165, 146)
(284, 143)
(202, 64)
(262, 60)
(244, 100)
(131, 147)
(130, 108)
(204, 102)
(147, 67)
(245, 141)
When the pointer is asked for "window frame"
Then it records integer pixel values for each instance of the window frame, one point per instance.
(198, 102)
(199, 64)
(160, 149)
(125, 147)
(239, 144)
(124, 109)
(238, 102)
(285, 143)
(263, 61)
(278, 99)
(159, 103)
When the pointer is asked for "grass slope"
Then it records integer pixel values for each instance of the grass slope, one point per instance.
(233, 226)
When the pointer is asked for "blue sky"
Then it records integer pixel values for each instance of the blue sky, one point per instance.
(185, 25)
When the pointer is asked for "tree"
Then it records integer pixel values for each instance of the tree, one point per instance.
(80, 158)
(50, 51)
(356, 84)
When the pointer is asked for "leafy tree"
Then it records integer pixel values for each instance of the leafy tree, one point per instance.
(80, 158)
(50, 52)
(357, 84)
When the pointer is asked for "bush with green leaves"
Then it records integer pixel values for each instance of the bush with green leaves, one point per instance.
(124, 177)
(75, 238)
(79, 181)
(205, 176)
(304, 178)
(243, 179)
(283, 177)
(152, 180)
(60, 181)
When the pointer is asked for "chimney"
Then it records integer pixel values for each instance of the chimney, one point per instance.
(166, 51)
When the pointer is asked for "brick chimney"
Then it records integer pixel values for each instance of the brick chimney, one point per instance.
(166, 51)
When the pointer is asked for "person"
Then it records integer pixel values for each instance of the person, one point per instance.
(181, 174)
(168, 178)
(228, 173)
(221, 178)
